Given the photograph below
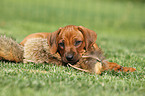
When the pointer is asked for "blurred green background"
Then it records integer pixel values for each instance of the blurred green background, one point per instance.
(120, 25)
(113, 20)
(99, 15)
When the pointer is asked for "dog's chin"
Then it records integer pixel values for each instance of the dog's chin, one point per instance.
(73, 62)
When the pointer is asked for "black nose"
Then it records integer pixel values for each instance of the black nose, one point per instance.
(69, 57)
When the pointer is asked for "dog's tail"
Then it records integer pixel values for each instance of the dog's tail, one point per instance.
(10, 50)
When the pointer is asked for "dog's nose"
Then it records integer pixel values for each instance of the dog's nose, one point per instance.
(69, 57)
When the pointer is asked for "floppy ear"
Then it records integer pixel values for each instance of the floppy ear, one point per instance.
(89, 35)
(52, 41)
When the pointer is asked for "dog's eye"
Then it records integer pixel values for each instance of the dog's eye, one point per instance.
(61, 44)
(78, 43)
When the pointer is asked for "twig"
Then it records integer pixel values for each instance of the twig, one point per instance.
(78, 68)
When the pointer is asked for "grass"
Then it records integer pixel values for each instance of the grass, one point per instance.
(121, 30)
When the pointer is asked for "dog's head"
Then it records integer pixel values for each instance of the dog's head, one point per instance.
(71, 41)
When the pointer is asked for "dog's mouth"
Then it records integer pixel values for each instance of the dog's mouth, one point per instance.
(70, 58)
(73, 62)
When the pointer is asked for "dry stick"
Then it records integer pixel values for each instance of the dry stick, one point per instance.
(84, 69)
(78, 68)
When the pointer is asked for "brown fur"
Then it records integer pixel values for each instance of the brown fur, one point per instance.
(37, 50)
(10, 50)
(35, 35)
(73, 45)
(64, 41)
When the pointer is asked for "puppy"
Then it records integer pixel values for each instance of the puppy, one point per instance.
(72, 42)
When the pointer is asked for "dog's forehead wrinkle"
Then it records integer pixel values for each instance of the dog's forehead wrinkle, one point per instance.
(71, 34)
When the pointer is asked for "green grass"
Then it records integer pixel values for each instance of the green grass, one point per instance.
(121, 34)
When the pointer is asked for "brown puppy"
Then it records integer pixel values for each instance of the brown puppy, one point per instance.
(71, 42)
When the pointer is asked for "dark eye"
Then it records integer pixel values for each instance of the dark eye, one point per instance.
(61, 44)
(78, 43)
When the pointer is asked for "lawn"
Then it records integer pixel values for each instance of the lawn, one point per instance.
(119, 24)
